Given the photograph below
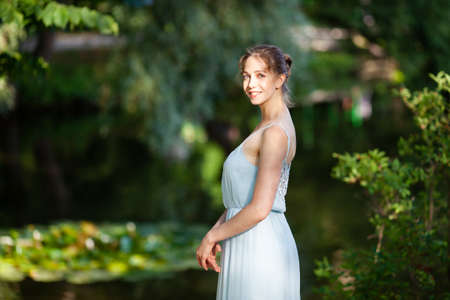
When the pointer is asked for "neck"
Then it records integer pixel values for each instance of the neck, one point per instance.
(273, 108)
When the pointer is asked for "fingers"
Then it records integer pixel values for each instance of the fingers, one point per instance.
(198, 259)
(213, 264)
(217, 248)
(204, 264)
(202, 260)
(209, 261)
(210, 266)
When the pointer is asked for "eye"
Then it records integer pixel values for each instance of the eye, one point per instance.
(244, 76)
(261, 75)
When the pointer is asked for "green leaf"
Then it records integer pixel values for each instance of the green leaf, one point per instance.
(74, 15)
(46, 14)
(88, 17)
(60, 16)
(107, 25)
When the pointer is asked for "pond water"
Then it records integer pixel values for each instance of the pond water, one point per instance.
(191, 284)
(187, 285)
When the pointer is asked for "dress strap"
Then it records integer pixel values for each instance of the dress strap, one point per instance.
(285, 131)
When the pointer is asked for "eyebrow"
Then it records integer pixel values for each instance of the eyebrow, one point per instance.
(261, 71)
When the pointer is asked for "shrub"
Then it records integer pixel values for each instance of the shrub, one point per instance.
(409, 210)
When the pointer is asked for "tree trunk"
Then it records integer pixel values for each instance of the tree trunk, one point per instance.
(53, 178)
(14, 193)
(43, 150)
(44, 47)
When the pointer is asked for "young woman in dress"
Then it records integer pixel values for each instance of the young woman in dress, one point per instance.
(259, 258)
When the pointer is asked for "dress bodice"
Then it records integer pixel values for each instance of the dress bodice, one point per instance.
(239, 176)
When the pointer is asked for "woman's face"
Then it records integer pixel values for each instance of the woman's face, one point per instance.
(258, 82)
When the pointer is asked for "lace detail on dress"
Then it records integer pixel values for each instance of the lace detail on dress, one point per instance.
(284, 179)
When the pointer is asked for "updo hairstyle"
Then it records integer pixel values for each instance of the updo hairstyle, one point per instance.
(275, 60)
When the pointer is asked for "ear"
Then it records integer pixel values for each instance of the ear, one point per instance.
(281, 79)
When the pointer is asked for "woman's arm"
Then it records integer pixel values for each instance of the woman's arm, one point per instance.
(272, 151)
(221, 220)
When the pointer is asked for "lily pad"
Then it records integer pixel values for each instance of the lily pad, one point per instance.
(9, 272)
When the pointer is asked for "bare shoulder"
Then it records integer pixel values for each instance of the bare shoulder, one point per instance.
(274, 137)
(275, 133)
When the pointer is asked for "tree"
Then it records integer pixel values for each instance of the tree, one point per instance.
(19, 20)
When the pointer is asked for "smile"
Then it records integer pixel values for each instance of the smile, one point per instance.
(253, 94)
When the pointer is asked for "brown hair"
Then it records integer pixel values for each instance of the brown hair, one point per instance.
(276, 61)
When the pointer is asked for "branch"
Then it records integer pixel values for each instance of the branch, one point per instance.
(431, 200)
(380, 240)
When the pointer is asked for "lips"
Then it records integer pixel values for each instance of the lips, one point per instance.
(253, 94)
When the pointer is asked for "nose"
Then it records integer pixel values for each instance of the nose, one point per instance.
(251, 82)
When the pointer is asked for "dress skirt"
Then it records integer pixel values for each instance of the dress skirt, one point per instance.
(261, 263)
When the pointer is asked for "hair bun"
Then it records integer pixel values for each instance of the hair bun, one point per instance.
(288, 60)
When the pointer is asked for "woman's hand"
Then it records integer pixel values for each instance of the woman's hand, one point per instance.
(206, 254)
(216, 248)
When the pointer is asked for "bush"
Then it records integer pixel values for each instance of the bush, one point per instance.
(409, 196)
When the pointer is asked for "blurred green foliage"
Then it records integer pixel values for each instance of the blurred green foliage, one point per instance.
(84, 252)
(130, 122)
(181, 62)
(129, 126)
(414, 32)
(20, 19)
(409, 197)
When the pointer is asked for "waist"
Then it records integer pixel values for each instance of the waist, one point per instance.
(273, 210)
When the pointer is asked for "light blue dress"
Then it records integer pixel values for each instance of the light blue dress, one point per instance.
(262, 262)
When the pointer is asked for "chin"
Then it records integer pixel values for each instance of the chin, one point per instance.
(252, 102)
(257, 101)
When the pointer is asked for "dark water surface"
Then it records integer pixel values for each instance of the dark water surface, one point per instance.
(192, 284)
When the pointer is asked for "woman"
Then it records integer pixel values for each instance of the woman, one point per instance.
(259, 259)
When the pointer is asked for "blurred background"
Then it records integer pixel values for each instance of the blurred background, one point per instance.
(123, 112)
